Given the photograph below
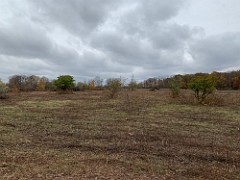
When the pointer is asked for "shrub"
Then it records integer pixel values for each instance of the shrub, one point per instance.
(215, 99)
(202, 86)
(83, 86)
(3, 91)
(114, 86)
(91, 85)
(64, 83)
(175, 85)
(98, 83)
(154, 88)
(41, 86)
(133, 85)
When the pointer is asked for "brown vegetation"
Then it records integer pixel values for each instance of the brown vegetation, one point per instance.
(138, 135)
(225, 80)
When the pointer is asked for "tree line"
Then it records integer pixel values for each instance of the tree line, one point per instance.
(203, 84)
(224, 80)
(23, 83)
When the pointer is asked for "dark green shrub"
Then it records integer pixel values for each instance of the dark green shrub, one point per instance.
(64, 83)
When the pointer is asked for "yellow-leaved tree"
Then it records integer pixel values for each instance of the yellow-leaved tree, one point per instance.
(92, 85)
(203, 86)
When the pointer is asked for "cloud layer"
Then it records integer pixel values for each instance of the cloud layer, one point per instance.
(108, 39)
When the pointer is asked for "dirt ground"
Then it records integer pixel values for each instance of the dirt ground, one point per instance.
(138, 135)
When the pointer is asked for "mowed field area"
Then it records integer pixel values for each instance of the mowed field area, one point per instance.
(138, 135)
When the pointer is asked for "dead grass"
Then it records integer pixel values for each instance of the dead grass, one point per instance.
(139, 135)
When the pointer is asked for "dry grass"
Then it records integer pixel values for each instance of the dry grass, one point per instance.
(139, 135)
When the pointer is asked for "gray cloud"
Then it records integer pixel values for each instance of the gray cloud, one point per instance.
(32, 42)
(22, 40)
(78, 16)
(171, 36)
(107, 38)
(155, 10)
(217, 52)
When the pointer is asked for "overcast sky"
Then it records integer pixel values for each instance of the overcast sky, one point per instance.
(112, 38)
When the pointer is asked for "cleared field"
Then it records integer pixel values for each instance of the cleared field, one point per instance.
(139, 135)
